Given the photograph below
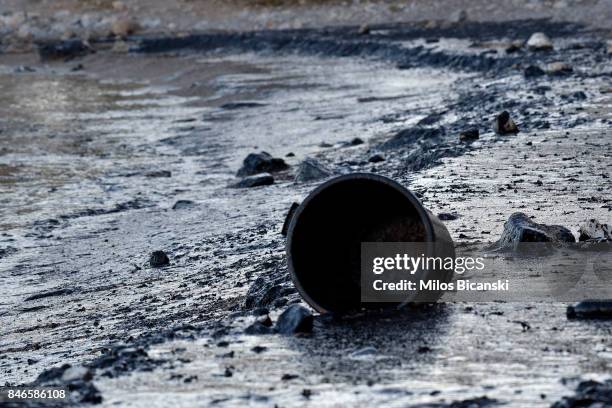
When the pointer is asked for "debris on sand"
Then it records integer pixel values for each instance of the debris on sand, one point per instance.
(75, 378)
(447, 216)
(262, 162)
(520, 228)
(533, 71)
(288, 217)
(63, 50)
(263, 325)
(590, 309)
(182, 204)
(364, 29)
(408, 137)
(310, 170)
(588, 394)
(593, 230)
(124, 26)
(559, 69)
(295, 319)
(241, 105)
(356, 141)
(539, 42)
(503, 124)
(158, 173)
(376, 158)
(159, 259)
(469, 134)
(263, 179)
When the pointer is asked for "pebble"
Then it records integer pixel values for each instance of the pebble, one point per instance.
(533, 71)
(159, 259)
(376, 158)
(469, 134)
(262, 162)
(295, 319)
(559, 69)
(263, 179)
(503, 124)
(593, 230)
(124, 26)
(310, 170)
(539, 42)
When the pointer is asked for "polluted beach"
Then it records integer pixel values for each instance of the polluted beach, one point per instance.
(313, 203)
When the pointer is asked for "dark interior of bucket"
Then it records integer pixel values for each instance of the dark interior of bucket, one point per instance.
(327, 236)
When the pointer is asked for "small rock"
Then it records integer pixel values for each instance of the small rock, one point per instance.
(124, 26)
(559, 69)
(503, 124)
(520, 228)
(590, 309)
(263, 179)
(589, 393)
(593, 230)
(295, 319)
(539, 42)
(159, 259)
(158, 173)
(514, 46)
(469, 134)
(259, 349)
(289, 377)
(356, 141)
(364, 29)
(182, 204)
(310, 170)
(533, 71)
(377, 158)
(262, 162)
(447, 216)
(77, 373)
(263, 325)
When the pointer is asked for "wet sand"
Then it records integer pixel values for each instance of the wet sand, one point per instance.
(82, 210)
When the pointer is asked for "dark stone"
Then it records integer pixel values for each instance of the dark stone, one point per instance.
(469, 134)
(377, 158)
(520, 229)
(295, 319)
(310, 170)
(65, 50)
(503, 124)
(590, 309)
(447, 216)
(241, 105)
(159, 259)
(356, 141)
(533, 71)
(263, 179)
(258, 328)
(288, 217)
(259, 349)
(182, 204)
(289, 377)
(158, 173)
(262, 162)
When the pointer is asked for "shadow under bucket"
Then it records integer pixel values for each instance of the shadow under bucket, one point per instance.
(326, 231)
